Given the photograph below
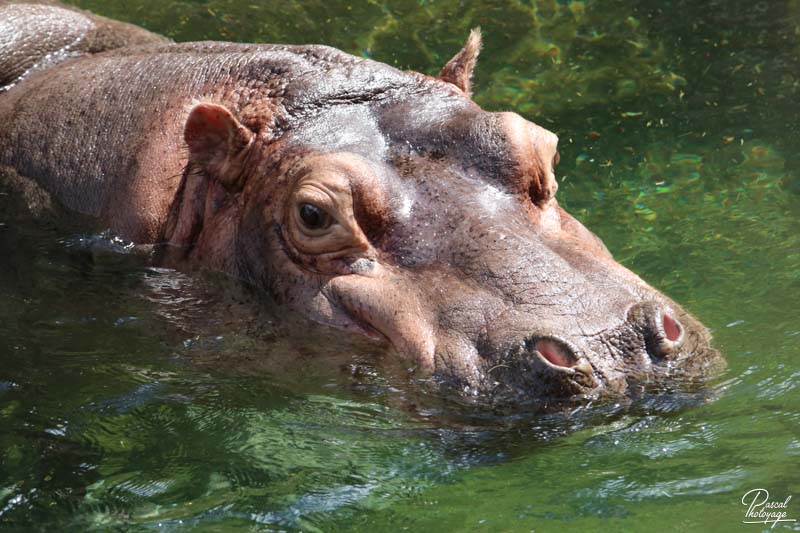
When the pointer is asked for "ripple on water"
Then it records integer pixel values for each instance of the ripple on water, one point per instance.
(282, 466)
(144, 488)
(141, 395)
(621, 487)
(726, 481)
(655, 437)
(793, 448)
(319, 501)
(16, 500)
(777, 386)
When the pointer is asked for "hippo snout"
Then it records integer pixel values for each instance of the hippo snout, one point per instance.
(652, 341)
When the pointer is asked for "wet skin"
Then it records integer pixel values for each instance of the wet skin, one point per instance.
(384, 203)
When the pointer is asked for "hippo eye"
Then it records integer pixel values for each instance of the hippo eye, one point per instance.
(313, 217)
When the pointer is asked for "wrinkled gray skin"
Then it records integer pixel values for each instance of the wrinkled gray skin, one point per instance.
(36, 36)
(446, 242)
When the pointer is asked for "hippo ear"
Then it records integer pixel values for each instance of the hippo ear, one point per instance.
(458, 70)
(218, 144)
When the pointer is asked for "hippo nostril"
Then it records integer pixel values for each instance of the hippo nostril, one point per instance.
(555, 353)
(672, 329)
(663, 334)
(562, 363)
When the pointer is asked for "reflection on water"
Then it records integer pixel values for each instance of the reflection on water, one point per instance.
(142, 396)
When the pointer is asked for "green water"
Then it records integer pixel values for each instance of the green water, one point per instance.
(131, 399)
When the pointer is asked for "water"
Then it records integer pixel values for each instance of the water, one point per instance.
(136, 398)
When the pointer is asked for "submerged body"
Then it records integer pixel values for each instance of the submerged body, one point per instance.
(383, 203)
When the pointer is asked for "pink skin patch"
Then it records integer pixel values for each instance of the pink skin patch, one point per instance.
(671, 328)
(555, 353)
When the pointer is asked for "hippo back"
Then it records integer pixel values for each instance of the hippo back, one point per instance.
(36, 35)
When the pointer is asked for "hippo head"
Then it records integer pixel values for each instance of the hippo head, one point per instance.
(389, 205)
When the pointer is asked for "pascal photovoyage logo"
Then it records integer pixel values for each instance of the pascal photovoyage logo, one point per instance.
(762, 510)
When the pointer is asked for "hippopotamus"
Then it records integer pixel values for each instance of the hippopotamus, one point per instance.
(383, 203)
